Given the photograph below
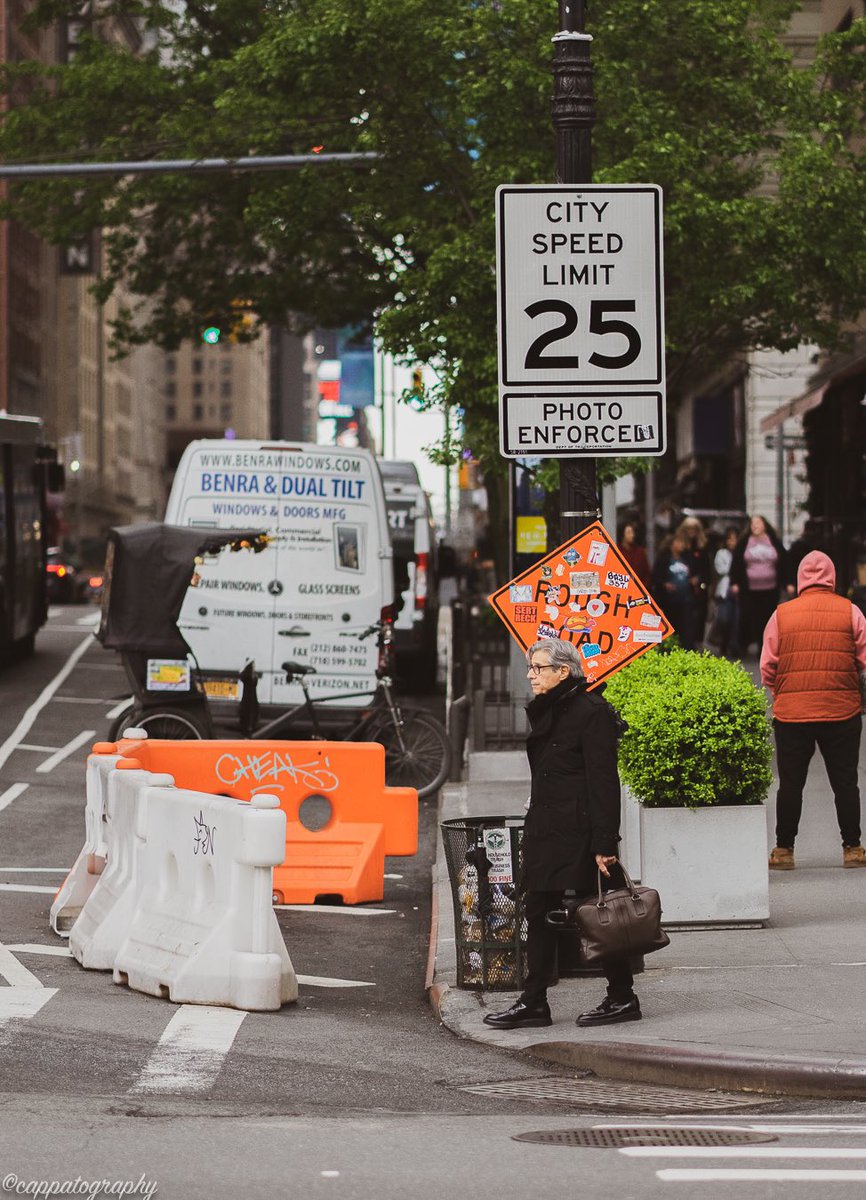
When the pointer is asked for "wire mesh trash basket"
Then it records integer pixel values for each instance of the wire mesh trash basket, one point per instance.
(484, 861)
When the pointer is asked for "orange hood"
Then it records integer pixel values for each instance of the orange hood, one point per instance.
(816, 570)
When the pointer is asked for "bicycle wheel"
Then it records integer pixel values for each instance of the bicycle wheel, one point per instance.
(425, 758)
(168, 723)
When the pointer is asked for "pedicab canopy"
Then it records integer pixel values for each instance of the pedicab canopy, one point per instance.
(148, 569)
(584, 592)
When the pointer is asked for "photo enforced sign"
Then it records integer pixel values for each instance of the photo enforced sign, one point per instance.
(580, 319)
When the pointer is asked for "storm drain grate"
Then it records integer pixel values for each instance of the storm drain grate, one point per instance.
(615, 1137)
(623, 1097)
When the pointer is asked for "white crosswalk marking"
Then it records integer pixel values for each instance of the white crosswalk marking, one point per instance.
(25, 995)
(740, 1152)
(758, 1175)
(191, 1051)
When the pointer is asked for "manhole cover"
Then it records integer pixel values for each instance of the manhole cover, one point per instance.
(615, 1137)
(622, 1097)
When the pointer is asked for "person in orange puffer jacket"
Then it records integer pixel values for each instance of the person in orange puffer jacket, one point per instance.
(814, 663)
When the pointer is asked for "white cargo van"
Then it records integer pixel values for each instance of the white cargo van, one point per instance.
(413, 540)
(325, 577)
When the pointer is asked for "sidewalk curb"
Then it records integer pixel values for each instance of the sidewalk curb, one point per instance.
(668, 1064)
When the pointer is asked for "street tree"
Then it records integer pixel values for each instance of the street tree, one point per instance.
(763, 206)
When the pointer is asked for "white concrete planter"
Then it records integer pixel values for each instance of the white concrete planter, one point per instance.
(709, 865)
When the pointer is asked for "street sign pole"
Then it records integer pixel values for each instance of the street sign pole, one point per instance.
(573, 119)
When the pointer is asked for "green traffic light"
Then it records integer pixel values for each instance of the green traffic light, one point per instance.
(211, 335)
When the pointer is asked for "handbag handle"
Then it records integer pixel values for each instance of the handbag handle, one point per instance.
(629, 884)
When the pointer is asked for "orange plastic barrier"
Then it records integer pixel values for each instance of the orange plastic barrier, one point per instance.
(346, 857)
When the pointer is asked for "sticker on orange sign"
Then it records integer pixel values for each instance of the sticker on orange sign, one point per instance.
(586, 593)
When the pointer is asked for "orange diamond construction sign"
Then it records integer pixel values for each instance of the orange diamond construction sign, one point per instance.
(586, 593)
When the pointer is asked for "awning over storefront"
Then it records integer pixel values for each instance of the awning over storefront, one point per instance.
(794, 408)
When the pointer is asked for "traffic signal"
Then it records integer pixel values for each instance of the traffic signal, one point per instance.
(211, 335)
(416, 397)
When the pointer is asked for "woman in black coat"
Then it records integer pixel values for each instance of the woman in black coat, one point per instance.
(572, 826)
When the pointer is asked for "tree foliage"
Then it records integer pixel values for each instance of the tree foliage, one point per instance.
(764, 204)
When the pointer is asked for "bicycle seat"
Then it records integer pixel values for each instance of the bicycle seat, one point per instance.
(293, 669)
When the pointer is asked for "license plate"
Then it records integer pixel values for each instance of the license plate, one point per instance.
(222, 689)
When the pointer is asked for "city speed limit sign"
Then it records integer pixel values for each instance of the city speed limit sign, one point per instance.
(581, 319)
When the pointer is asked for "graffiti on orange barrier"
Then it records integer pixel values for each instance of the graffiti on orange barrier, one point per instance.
(586, 593)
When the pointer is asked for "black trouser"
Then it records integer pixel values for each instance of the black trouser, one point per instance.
(756, 612)
(541, 953)
(839, 743)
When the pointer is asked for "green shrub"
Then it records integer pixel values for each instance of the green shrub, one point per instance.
(698, 734)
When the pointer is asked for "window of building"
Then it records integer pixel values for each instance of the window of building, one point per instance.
(171, 388)
(226, 387)
(225, 412)
(170, 412)
(226, 366)
(197, 389)
(170, 365)
(196, 366)
(197, 412)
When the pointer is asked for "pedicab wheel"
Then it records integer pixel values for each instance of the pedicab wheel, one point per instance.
(168, 724)
(423, 760)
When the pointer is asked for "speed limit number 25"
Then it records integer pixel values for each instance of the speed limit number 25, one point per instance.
(580, 286)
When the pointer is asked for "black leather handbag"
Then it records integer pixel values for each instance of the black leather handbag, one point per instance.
(619, 923)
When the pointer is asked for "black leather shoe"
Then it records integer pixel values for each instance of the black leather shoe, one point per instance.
(520, 1016)
(611, 1011)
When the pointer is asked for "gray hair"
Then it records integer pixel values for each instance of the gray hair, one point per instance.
(562, 654)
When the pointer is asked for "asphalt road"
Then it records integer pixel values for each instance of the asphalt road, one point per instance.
(355, 1089)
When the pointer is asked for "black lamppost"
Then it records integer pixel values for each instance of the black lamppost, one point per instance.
(573, 119)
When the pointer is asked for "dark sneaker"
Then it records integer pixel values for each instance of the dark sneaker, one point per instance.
(611, 1011)
(521, 1016)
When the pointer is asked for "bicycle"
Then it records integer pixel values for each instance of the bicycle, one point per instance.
(417, 750)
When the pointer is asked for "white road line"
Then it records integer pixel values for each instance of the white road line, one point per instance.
(810, 1129)
(23, 1001)
(65, 751)
(38, 749)
(15, 974)
(34, 870)
(54, 611)
(331, 910)
(80, 700)
(757, 1175)
(387, 876)
(92, 618)
(321, 981)
(26, 723)
(740, 1152)
(191, 1051)
(35, 948)
(27, 887)
(118, 709)
(12, 793)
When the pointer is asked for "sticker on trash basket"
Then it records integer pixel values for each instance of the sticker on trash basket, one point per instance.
(497, 844)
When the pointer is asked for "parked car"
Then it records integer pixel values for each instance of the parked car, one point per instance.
(63, 582)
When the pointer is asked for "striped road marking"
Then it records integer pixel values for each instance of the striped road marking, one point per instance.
(28, 887)
(334, 910)
(12, 793)
(769, 1175)
(27, 721)
(64, 752)
(25, 995)
(191, 1051)
(740, 1152)
(321, 981)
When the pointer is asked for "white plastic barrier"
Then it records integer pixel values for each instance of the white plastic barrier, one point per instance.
(90, 864)
(204, 930)
(104, 919)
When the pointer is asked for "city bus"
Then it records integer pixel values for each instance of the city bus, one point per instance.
(27, 468)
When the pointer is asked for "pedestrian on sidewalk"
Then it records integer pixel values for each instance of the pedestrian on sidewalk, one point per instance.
(572, 827)
(758, 572)
(814, 663)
